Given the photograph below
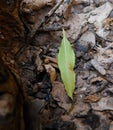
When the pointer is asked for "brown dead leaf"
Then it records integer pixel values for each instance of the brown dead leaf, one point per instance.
(105, 103)
(92, 98)
(59, 95)
(97, 79)
(38, 63)
(108, 23)
(51, 71)
(65, 7)
(80, 109)
(51, 59)
(98, 67)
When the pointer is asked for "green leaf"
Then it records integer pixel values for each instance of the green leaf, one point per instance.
(66, 62)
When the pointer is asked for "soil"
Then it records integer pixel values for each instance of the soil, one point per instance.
(32, 94)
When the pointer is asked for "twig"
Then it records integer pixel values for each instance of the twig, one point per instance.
(54, 8)
(53, 28)
(51, 59)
